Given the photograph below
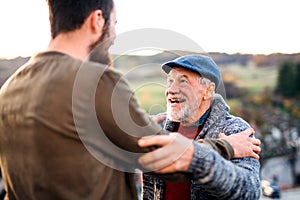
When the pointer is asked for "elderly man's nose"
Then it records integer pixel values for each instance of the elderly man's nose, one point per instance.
(173, 88)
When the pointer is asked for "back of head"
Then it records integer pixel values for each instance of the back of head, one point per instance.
(69, 15)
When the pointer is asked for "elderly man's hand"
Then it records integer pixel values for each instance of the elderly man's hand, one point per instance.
(175, 153)
(242, 144)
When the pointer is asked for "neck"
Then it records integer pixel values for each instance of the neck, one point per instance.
(73, 44)
(201, 111)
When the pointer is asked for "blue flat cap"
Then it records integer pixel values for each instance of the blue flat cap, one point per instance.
(201, 64)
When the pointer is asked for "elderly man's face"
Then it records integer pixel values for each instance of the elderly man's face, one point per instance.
(184, 95)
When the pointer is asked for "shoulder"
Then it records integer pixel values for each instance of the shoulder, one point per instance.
(103, 69)
(234, 124)
(106, 75)
(231, 123)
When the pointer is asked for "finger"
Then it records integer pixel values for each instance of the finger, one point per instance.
(157, 166)
(255, 155)
(256, 149)
(170, 163)
(248, 132)
(255, 141)
(167, 169)
(157, 159)
(222, 135)
(178, 151)
(162, 153)
(159, 140)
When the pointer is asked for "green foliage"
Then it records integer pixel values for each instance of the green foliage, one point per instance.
(297, 81)
(288, 82)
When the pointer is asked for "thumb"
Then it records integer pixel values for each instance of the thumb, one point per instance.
(222, 135)
(248, 132)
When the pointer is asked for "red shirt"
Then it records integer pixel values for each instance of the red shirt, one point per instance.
(178, 191)
(181, 190)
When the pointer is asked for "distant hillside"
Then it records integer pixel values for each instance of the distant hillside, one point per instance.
(258, 60)
(127, 62)
(220, 58)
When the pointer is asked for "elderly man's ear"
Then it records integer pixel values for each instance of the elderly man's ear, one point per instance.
(209, 91)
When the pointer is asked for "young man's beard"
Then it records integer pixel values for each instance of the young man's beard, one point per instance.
(101, 54)
(100, 49)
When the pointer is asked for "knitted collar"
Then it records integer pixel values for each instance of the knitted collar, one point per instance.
(202, 119)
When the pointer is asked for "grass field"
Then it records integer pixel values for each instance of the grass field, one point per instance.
(254, 79)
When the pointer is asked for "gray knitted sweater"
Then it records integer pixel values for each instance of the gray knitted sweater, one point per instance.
(213, 176)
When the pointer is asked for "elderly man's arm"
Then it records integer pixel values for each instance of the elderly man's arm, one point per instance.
(238, 179)
(243, 144)
(232, 146)
(219, 177)
(235, 145)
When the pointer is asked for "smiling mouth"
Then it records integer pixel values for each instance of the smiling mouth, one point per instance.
(176, 101)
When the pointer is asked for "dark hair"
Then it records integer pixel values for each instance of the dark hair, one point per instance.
(69, 15)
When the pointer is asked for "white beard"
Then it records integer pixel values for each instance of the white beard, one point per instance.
(183, 116)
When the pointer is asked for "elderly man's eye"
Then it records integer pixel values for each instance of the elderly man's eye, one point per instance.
(169, 81)
(183, 81)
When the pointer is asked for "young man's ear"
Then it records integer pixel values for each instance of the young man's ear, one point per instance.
(97, 21)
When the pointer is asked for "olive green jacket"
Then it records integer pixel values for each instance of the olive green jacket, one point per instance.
(69, 130)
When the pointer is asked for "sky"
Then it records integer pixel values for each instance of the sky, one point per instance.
(229, 26)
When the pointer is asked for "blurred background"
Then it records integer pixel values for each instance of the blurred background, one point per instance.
(255, 43)
(262, 89)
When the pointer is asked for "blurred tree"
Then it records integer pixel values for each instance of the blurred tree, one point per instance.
(286, 82)
(297, 79)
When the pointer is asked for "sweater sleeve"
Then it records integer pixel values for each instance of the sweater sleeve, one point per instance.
(223, 179)
(221, 146)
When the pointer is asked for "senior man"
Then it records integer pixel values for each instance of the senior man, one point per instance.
(192, 101)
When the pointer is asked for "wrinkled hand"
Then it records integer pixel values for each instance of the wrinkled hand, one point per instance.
(175, 154)
(242, 144)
